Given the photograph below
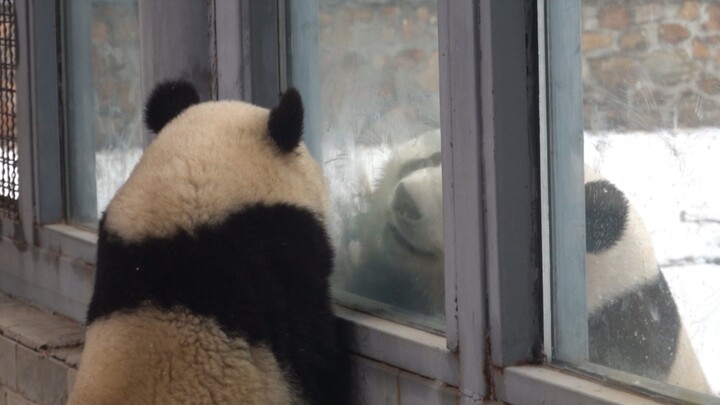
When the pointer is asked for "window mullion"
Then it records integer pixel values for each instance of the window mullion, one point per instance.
(510, 152)
(39, 132)
(565, 171)
(463, 206)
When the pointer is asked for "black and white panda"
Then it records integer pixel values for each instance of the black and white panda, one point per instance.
(213, 263)
(394, 250)
(634, 323)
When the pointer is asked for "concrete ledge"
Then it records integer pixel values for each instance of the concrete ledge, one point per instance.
(37, 329)
(39, 352)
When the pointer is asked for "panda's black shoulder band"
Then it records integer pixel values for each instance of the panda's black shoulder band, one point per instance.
(167, 101)
(285, 125)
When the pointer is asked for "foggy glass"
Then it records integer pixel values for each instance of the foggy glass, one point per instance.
(103, 107)
(369, 74)
(651, 101)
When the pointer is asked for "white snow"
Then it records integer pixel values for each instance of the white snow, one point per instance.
(112, 168)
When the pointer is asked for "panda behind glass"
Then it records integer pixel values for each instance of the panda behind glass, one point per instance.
(633, 322)
(213, 265)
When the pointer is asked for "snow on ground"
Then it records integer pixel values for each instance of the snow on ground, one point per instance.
(673, 179)
(112, 168)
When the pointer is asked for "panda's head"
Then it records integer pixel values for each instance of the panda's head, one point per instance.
(397, 244)
(212, 159)
(408, 194)
(406, 209)
(620, 256)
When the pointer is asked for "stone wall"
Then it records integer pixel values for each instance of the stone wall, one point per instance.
(115, 63)
(650, 64)
(378, 69)
(647, 64)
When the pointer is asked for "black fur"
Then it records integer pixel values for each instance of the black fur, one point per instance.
(637, 332)
(262, 274)
(285, 124)
(606, 211)
(167, 101)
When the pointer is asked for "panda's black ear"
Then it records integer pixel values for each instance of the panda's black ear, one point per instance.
(167, 101)
(285, 125)
(606, 213)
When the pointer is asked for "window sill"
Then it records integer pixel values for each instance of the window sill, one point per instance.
(400, 346)
(544, 385)
(70, 241)
(73, 250)
(56, 273)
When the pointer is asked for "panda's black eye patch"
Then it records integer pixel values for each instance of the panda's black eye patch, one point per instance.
(431, 161)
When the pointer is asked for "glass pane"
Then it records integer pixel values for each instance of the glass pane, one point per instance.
(369, 75)
(651, 113)
(103, 107)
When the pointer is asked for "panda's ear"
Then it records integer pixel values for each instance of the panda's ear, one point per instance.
(285, 125)
(167, 101)
(606, 213)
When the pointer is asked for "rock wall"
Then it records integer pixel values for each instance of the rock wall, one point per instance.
(647, 64)
(650, 64)
(378, 69)
(115, 63)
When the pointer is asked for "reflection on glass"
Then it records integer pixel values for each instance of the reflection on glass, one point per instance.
(103, 102)
(371, 69)
(651, 82)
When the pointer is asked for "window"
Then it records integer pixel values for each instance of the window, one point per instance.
(369, 73)
(83, 70)
(456, 84)
(632, 117)
(103, 102)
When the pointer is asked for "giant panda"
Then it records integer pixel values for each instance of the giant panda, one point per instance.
(395, 257)
(212, 265)
(393, 250)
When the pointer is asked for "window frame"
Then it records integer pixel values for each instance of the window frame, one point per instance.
(50, 262)
(489, 70)
(562, 168)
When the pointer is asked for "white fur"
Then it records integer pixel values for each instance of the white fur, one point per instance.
(607, 273)
(155, 357)
(212, 160)
(424, 234)
(174, 187)
(628, 265)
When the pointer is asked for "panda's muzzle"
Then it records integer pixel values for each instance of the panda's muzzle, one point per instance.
(413, 212)
(405, 244)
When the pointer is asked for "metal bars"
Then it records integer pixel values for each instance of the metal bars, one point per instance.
(9, 185)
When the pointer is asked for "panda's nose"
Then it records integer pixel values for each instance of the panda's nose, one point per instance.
(404, 205)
